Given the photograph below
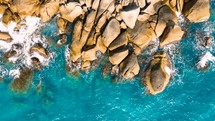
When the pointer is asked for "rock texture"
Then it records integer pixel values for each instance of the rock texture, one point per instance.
(158, 73)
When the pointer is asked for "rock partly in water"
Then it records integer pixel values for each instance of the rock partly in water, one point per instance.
(158, 73)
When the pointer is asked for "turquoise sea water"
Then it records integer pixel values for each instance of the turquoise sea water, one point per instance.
(190, 95)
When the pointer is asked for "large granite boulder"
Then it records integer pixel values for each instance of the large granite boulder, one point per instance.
(70, 11)
(121, 40)
(89, 54)
(129, 67)
(129, 15)
(158, 73)
(197, 10)
(141, 35)
(76, 45)
(171, 35)
(118, 55)
(112, 30)
(49, 9)
(24, 8)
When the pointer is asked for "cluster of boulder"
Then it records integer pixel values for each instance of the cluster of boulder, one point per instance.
(121, 29)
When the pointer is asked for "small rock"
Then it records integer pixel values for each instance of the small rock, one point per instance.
(5, 37)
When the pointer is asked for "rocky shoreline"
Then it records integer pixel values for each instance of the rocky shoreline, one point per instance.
(119, 29)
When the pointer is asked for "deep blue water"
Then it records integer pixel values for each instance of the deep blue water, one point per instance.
(190, 95)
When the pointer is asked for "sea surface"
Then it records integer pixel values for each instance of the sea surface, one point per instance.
(190, 96)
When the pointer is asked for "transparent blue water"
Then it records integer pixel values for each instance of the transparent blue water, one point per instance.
(190, 95)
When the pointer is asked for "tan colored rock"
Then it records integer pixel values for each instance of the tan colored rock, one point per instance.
(141, 3)
(48, 9)
(129, 68)
(89, 54)
(117, 56)
(104, 4)
(129, 15)
(100, 45)
(40, 50)
(62, 24)
(112, 30)
(3, 7)
(123, 25)
(160, 27)
(143, 17)
(172, 35)
(197, 10)
(101, 22)
(158, 73)
(24, 8)
(137, 50)
(121, 40)
(141, 35)
(76, 45)
(85, 66)
(154, 6)
(5, 37)
(7, 17)
(70, 11)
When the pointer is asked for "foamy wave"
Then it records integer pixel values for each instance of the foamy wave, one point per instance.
(27, 36)
(205, 59)
(3, 72)
(15, 73)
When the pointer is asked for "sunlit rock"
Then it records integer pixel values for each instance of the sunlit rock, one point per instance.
(5, 37)
(70, 11)
(158, 73)
(48, 9)
(129, 68)
(129, 15)
(116, 56)
(171, 35)
(197, 10)
(112, 30)
(24, 8)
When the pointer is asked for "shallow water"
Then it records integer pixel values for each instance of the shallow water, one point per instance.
(189, 96)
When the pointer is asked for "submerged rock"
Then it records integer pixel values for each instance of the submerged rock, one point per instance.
(158, 73)
(23, 82)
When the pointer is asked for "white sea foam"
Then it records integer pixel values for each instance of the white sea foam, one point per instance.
(3, 72)
(15, 73)
(205, 59)
(27, 36)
